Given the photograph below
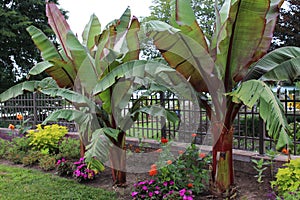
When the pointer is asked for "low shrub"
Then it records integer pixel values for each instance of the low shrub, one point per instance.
(17, 149)
(47, 162)
(31, 158)
(64, 167)
(287, 183)
(3, 147)
(69, 148)
(47, 137)
(175, 179)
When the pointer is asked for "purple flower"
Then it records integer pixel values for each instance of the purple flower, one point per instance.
(145, 188)
(150, 194)
(133, 194)
(141, 183)
(63, 160)
(151, 181)
(165, 183)
(156, 192)
(156, 187)
(182, 192)
(171, 182)
(77, 173)
(58, 162)
(187, 197)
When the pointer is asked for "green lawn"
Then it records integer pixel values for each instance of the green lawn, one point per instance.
(19, 183)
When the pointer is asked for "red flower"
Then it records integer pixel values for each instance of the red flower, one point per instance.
(12, 127)
(202, 155)
(180, 152)
(194, 135)
(190, 185)
(153, 166)
(164, 140)
(169, 162)
(153, 172)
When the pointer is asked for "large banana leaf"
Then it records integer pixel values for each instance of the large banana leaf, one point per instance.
(155, 71)
(47, 48)
(59, 25)
(100, 144)
(244, 36)
(29, 86)
(92, 28)
(87, 121)
(270, 109)
(278, 65)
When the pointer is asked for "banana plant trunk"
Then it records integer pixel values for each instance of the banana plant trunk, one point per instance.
(118, 161)
(222, 170)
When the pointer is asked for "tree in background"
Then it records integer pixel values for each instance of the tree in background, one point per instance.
(287, 30)
(17, 51)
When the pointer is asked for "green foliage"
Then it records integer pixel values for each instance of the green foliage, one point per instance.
(32, 157)
(33, 184)
(64, 167)
(189, 171)
(3, 147)
(17, 149)
(69, 148)
(287, 183)
(47, 162)
(259, 167)
(16, 47)
(295, 133)
(47, 137)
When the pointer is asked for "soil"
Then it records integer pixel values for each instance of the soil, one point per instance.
(246, 186)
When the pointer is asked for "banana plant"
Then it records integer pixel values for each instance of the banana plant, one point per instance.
(232, 67)
(76, 68)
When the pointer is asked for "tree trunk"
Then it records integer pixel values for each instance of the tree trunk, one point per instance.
(118, 161)
(222, 172)
(82, 149)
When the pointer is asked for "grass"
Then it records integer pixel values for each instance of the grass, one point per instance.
(19, 183)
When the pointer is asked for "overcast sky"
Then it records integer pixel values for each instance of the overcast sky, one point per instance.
(106, 11)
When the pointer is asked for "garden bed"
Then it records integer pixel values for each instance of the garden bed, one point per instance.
(138, 162)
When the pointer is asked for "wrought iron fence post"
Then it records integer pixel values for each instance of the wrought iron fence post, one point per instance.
(162, 120)
(262, 134)
(34, 109)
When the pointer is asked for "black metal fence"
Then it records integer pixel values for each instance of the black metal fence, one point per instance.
(249, 130)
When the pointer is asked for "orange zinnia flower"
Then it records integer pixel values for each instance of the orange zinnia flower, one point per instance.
(153, 172)
(137, 150)
(202, 155)
(180, 152)
(19, 116)
(194, 135)
(158, 150)
(169, 162)
(285, 151)
(153, 166)
(164, 140)
(190, 185)
(12, 127)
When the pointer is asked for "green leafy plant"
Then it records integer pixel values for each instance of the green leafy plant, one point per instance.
(189, 172)
(295, 134)
(64, 167)
(47, 137)
(287, 183)
(17, 149)
(259, 167)
(3, 147)
(47, 162)
(68, 148)
(31, 158)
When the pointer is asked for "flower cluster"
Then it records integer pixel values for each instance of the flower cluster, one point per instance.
(152, 189)
(82, 172)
